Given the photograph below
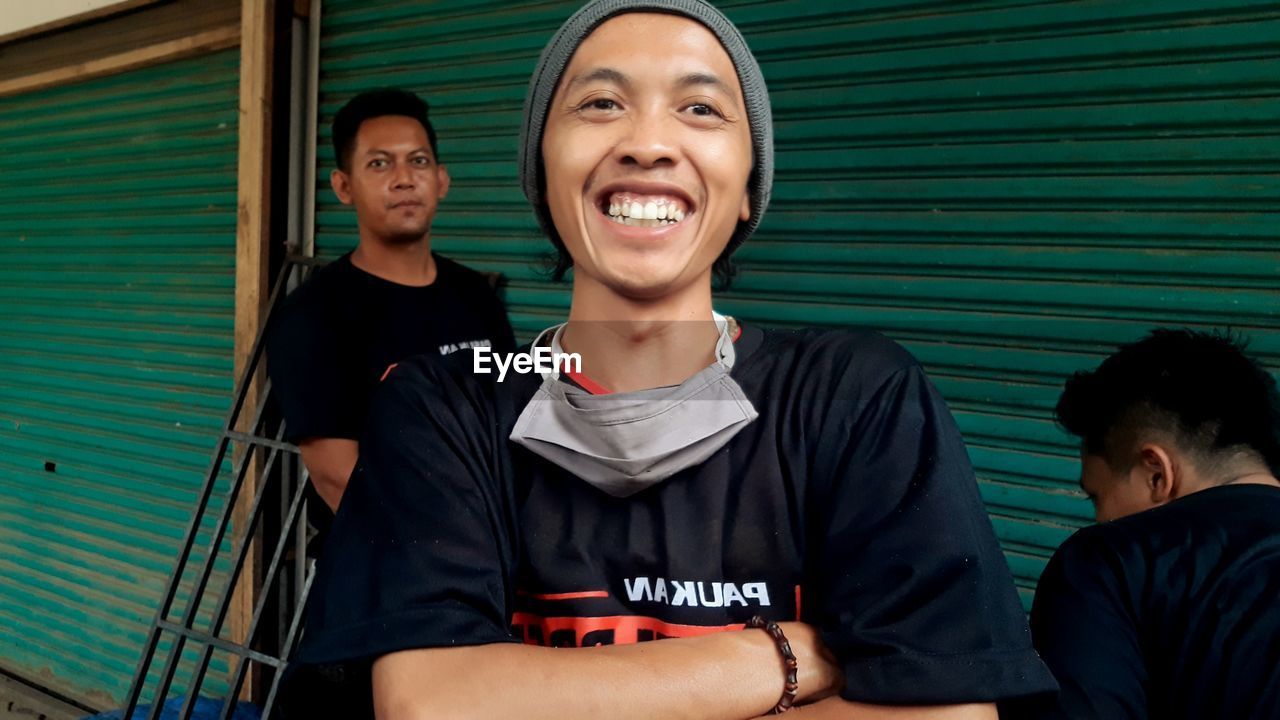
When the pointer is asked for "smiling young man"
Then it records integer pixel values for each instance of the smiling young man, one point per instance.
(508, 550)
(389, 299)
(1168, 609)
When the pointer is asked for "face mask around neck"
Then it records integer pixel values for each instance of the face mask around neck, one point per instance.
(623, 443)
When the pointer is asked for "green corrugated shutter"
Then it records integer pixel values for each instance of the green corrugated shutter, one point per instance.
(117, 272)
(1010, 189)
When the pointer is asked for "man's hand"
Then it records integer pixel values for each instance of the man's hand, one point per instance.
(818, 674)
(821, 680)
(330, 462)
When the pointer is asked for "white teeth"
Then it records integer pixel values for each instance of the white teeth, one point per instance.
(640, 222)
(652, 213)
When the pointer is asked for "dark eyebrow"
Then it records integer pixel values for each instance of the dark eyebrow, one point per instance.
(693, 79)
(605, 74)
(700, 78)
(380, 151)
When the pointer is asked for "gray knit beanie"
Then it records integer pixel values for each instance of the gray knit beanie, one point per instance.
(555, 58)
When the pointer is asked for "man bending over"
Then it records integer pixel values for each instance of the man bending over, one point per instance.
(1169, 608)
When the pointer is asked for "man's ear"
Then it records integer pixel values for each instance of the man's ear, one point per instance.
(341, 184)
(442, 179)
(1160, 473)
(744, 214)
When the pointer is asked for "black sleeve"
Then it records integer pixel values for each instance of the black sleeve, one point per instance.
(422, 548)
(1084, 631)
(916, 599)
(311, 377)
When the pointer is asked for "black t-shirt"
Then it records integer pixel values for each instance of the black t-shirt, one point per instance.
(849, 504)
(339, 332)
(1170, 613)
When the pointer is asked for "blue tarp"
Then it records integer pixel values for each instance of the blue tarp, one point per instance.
(205, 709)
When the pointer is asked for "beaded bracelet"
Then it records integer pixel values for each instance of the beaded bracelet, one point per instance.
(792, 685)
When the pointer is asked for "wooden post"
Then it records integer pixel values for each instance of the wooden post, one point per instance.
(257, 35)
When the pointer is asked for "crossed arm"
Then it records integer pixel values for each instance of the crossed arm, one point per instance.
(723, 676)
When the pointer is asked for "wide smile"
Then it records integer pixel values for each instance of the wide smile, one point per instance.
(654, 209)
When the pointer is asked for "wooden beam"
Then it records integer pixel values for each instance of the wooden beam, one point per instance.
(144, 27)
(200, 43)
(257, 46)
(79, 18)
(23, 700)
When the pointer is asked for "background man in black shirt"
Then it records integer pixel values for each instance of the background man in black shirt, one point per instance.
(1169, 608)
(389, 299)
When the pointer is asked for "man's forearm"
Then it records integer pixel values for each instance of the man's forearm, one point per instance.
(330, 462)
(728, 676)
(330, 488)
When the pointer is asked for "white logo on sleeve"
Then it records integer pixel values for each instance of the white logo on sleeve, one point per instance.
(455, 347)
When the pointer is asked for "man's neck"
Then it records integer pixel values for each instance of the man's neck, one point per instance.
(629, 344)
(408, 263)
(1237, 476)
(1259, 477)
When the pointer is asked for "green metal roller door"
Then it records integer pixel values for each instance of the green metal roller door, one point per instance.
(1009, 188)
(117, 267)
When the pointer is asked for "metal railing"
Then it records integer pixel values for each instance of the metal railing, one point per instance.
(276, 518)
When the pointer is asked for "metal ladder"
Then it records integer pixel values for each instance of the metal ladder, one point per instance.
(288, 574)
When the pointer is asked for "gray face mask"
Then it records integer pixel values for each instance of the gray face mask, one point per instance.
(623, 443)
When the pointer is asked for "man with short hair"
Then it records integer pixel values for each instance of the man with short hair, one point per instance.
(510, 549)
(1169, 608)
(389, 299)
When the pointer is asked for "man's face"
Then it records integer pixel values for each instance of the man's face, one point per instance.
(648, 120)
(1114, 494)
(394, 180)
